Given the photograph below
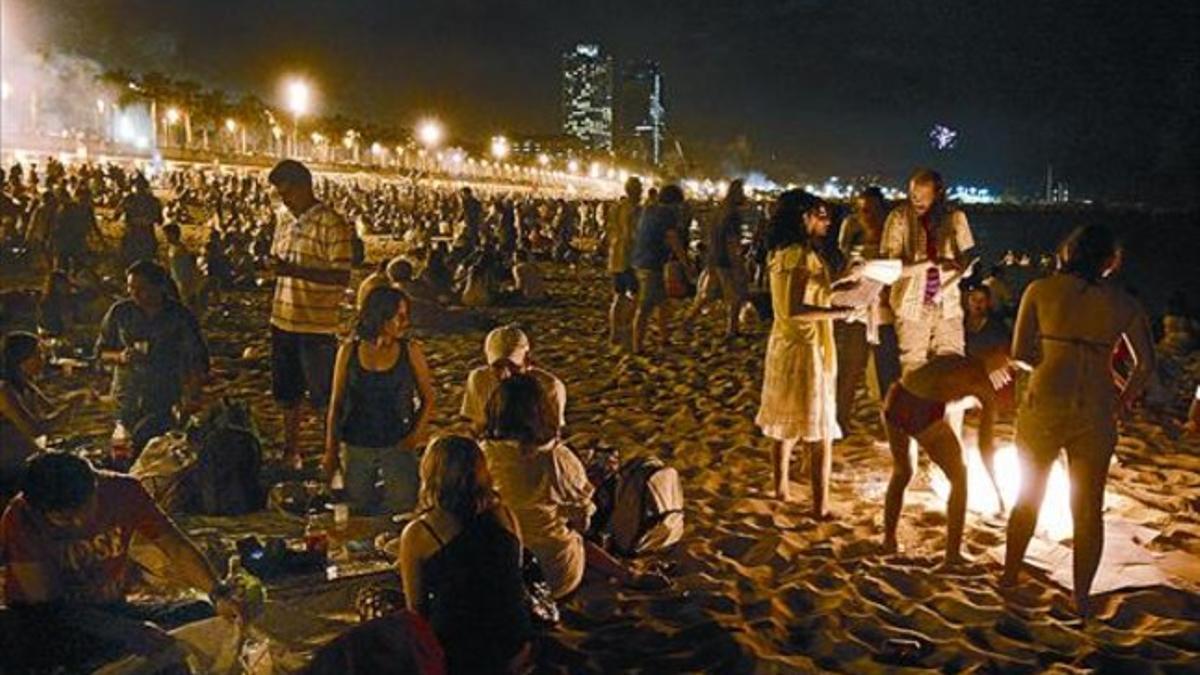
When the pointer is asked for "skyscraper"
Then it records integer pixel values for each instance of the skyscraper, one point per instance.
(642, 114)
(588, 96)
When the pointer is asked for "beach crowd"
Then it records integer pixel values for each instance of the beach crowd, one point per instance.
(940, 340)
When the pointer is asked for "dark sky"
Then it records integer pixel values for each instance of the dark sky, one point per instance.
(1109, 91)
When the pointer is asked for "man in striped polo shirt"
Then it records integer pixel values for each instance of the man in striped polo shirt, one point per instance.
(311, 255)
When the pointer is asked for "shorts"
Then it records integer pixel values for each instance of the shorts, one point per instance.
(652, 289)
(625, 283)
(911, 413)
(302, 362)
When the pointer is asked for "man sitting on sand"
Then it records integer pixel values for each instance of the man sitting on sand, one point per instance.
(66, 538)
(507, 352)
(916, 409)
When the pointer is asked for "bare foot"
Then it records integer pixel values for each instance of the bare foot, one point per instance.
(889, 547)
(953, 563)
(1083, 606)
(1009, 580)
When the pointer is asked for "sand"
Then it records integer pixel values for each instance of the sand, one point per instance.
(759, 585)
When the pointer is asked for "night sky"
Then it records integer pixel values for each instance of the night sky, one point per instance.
(1108, 91)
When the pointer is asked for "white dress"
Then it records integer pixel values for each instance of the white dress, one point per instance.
(800, 371)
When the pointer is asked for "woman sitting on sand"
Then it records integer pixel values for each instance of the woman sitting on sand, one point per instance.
(1067, 327)
(547, 487)
(372, 414)
(507, 352)
(460, 562)
(25, 412)
(799, 383)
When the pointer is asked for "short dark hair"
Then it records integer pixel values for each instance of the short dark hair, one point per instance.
(150, 271)
(58, 481)
(290, 172)
(670, 194)
(381, 304)
(17, 347)
(171, 231)
(519, 410)
(633, 186)
(398, 269)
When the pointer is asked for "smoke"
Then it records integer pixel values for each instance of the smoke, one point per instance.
(51, 92)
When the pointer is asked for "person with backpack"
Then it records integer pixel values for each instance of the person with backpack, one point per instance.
(547, 487)
(375, 423)
(460, 563)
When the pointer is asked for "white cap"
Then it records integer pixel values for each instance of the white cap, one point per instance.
(504, 343)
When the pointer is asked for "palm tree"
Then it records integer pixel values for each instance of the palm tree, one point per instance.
(159, 89)
(211, 109)
(187, 92)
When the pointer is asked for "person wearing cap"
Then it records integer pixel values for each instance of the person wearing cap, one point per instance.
(507, 352)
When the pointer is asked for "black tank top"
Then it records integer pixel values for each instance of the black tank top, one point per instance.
(475, 596)
(379, 408)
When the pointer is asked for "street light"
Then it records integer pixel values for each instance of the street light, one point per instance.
(171, 118)
(230, 125)
(499, 147)
(543, 159)
(430, 132)
(297, 94)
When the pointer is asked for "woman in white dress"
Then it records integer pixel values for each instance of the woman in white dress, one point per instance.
(799, 382)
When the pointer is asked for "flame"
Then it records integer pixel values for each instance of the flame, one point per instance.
(1054, 521)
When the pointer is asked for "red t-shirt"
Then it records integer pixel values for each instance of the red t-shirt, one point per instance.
(85, 564)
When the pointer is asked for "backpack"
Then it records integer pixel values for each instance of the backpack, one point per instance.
(229, 460)
(167, 469)
(647, 510)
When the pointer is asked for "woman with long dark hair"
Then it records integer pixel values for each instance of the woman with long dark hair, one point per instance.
(1067, 327)
(799, 382)
(460, 562)
(374, 420)
(25, 412)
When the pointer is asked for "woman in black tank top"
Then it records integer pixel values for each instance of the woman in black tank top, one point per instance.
(460, 562)
(380, 408)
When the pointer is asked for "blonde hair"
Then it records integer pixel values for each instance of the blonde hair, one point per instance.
(455, 478)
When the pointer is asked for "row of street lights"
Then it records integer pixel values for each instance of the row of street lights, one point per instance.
(298, 96)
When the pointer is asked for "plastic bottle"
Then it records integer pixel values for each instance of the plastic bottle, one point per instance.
(341, 508)
(121, 448)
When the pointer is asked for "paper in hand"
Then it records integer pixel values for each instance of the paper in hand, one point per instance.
(862, 286)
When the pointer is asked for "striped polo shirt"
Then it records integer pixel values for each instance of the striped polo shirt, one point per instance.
(319, 239)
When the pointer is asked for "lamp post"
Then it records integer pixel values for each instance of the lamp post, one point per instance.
(298, 95)
(171, 117)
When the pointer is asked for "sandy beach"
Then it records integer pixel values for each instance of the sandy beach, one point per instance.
(759, 585)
